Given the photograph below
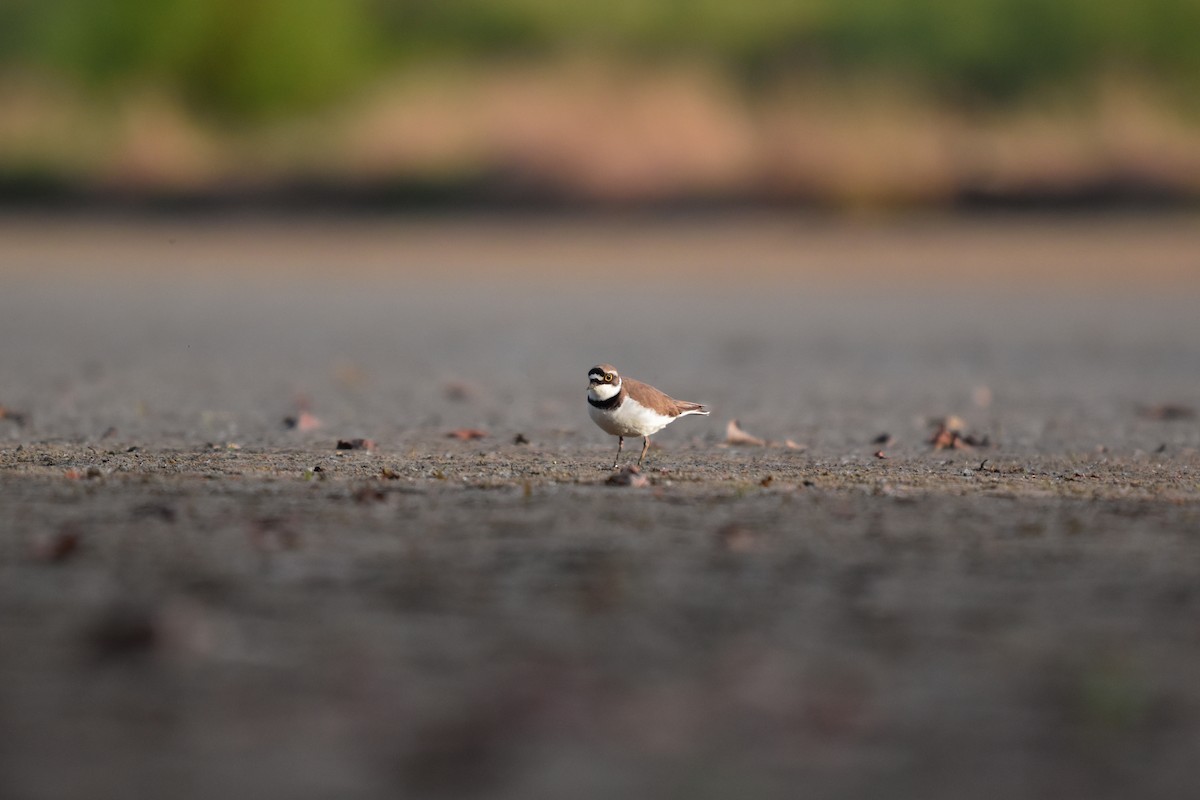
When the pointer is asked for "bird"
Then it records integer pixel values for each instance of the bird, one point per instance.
(625, 407)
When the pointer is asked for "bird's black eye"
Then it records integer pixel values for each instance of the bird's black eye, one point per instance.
(608, 377)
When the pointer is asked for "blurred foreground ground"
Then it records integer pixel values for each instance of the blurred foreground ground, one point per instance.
(198, 601)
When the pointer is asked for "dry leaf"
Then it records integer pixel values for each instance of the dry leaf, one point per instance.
(953, 422)
(467, 434)
(734, 435)
(949, 436)
(304, 421)
(945, 438)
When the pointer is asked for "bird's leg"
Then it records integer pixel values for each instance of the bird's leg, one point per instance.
(620, 444)
(645, 447)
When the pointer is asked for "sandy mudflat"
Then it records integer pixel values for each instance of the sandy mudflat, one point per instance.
(197, 601)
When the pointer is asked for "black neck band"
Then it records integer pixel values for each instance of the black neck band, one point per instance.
(608, 404)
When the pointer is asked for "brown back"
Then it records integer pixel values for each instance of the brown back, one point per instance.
(650, 397)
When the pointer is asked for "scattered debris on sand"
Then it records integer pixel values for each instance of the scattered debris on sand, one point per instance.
(949, 435)
(350, 375)
(157, 511)
(78, 474)
(369, 494)
(459, 391)
(628, 476)
(303, 421)
(735, 436)
(61, 546)
(123, 630)
(13, 416)
(272, 534)
(356, 444)
(736, 538)
(467, 434)
(1167, 412)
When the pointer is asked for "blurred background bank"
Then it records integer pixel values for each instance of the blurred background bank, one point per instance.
(846, 105)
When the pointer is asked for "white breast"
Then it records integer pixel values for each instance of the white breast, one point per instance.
(630, 418)
(604, 391)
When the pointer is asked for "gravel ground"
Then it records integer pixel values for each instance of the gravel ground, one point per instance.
(197, 600)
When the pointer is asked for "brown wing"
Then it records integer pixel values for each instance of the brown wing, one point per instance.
(650, 397)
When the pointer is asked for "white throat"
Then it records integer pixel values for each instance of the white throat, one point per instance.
(604, 391)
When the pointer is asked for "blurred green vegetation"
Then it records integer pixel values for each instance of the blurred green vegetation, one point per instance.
(248, 59)
(242, 58)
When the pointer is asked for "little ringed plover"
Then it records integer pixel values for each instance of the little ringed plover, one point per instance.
(625, 407)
